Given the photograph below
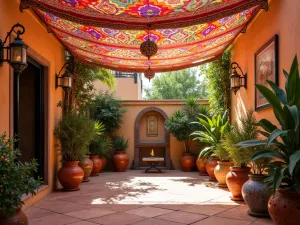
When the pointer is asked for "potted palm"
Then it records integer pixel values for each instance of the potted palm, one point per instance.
(282, 143)
(15, 180)
(214, 130)
(99, 150)
(75, 132)
(238, 175)
(120, 159)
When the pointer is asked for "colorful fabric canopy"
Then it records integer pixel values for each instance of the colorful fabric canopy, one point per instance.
(109, 33)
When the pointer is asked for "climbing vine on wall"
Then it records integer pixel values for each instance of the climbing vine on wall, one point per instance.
(217, 75)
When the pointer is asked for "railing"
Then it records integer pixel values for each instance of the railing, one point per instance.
(125, 75)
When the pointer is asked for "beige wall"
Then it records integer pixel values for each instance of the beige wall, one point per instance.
(48, 51)
(282, 19)
(125, 88)
(127, 129)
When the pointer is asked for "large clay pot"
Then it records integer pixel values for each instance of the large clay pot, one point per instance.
(187, 162)
(210, 167)
(87, 166)
(104, 161)
(221, 171)
(97, 164)
(256, 194)
(201, 165)
(70, 175)
(121, 161)
(235, 180)
(284, 207)
(18, 219)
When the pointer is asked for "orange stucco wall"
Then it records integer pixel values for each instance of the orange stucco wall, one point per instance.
(49, 52)
(134, 108)
(125, 88)
(282, 19)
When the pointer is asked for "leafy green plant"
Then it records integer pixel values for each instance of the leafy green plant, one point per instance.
(245, 130)
(283, 142)
(108, 110)
(101, 146)
(217, 75)
(120, 143)
(213, 133)
(16, 177)
(75, 133)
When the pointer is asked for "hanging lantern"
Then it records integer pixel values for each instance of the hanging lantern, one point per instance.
(148, 48)
(149, 73)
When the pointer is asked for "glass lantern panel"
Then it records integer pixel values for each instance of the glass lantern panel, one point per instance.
(67, 82)
(16, 54)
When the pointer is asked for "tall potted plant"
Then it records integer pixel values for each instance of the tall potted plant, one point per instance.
(214, 130)
(283, 144)
(75, 133)
(241, 158)
(179, 124)
(120, 158)
(15, 180)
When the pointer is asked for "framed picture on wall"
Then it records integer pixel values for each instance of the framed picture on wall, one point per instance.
(266, 68)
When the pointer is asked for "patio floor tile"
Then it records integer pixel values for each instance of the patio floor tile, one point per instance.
(34, 212)
(263, 222)
(209, 210)
(239, 212)
(118, 219)
(60, 206)
(221, 221)
(154, 221)
(182, 217)
(90, 213)
(148, 211)
(57, 219)
(83, 223)
(118, 207)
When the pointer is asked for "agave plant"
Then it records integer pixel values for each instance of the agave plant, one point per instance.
(283, 142)
(120, 143)
(214, 130)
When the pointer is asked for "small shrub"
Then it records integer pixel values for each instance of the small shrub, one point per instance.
(120, 143)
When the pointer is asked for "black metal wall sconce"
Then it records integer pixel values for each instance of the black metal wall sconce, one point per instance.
(236, 80)
(15, 53)
(65, 80)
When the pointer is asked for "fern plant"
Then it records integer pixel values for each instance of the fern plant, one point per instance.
(101, 146)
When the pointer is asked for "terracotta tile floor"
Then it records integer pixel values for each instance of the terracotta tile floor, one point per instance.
(133, 197)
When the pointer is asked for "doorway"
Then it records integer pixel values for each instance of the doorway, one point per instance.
(31, 115)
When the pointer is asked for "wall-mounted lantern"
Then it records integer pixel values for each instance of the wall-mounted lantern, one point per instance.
(16, 52)
(236, 80)
(65, 80)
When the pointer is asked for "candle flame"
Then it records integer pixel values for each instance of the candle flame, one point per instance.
(152, 153)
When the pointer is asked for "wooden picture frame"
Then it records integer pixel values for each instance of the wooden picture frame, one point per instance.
(266, 68)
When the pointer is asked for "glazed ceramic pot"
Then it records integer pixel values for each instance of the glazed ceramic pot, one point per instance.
(103, 161)
(97, 164)
(120, 160)
(210, 167)
(284, 207)
(187, 162)
(235, 180)
(18, 219)
(70, 175)
(256, 194)
(221, 171)
(87, 166)
(201, 165)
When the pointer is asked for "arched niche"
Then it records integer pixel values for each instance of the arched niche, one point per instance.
(138, 144)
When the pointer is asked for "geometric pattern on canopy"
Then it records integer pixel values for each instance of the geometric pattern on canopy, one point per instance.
(118, 47)
(137, 14)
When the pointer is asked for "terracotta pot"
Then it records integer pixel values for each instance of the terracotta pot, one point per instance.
(284, 207)
(221, 171)
(187, 162)
(256, 195)
(201, 165)
(87, 166)
(235, 180)
(18, 219)
(97, 164)
(70, 175)
(210, 166)
(121, 161)
(104, 161)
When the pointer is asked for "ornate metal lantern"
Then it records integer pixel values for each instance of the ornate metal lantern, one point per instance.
(149, 73)
(236, 80)
(148, 48)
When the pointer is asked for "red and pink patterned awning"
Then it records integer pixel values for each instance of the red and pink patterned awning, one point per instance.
(108, 33)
